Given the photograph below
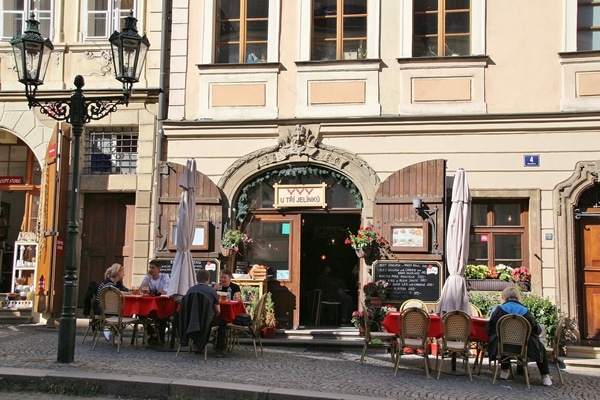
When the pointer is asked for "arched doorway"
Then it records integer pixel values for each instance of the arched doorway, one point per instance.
(296, 242)
(300, 159)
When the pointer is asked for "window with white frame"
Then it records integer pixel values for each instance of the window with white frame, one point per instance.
(242, 31)
(103, 17)
(16, 12)
(588, 25)
(499, 233)
(441, 28)
(339, 29)
(111, 150)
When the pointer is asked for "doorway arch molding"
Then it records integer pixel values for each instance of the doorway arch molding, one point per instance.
(300, 145)
(567, 195)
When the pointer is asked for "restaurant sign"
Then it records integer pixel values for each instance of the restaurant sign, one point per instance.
(300, 195)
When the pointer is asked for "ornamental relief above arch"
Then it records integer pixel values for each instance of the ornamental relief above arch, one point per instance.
(302, 144)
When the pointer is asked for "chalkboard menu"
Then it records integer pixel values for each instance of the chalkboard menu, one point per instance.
(211, 264)
(410, 279)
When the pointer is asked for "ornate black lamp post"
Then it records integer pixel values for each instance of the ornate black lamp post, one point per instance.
(32, 54)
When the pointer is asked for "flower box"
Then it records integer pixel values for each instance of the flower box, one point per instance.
(492, 285)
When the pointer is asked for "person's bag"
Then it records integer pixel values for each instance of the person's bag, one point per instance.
(243, 319)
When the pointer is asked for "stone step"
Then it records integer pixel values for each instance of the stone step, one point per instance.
(15, 316)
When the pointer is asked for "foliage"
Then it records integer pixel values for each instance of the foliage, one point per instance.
(365, 237)
(376, 289)
(269, 317)
(480, 271)
(376, 316)
(250, 297)
(485, 301)
(291, 172)
(521, 274)
(504, 272)
(233, 238)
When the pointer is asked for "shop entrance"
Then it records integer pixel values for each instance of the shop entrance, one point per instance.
(322, 245)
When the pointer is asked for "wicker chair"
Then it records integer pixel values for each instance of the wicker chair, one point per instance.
(456, 328)
(94, 321)
(414, 328)
(513, 333)
(253, 331)
(388, 338)
(111, 316)
(414, 303)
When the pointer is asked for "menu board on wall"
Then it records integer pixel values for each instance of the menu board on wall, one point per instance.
(410, 279)
(211, 264)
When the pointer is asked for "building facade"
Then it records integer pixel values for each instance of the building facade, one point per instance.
(381, 101)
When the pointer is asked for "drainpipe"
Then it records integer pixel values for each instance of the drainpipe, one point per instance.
(162, 100)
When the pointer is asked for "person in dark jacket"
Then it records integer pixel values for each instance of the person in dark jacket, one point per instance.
(511, 304)
(203, 278)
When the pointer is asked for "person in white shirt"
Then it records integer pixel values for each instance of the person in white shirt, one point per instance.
(157, 282)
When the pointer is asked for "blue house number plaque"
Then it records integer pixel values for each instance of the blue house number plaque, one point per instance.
(531, 160)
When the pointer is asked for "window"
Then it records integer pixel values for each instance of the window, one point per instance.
(588, 25)
(498, 233)
(339, 29)
(111, 151)
(242, 31)
(103, 17)
(441, 28)
(16, 12)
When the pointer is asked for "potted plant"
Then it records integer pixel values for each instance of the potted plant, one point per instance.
(232, 240)
(364, 240)
(269, 322)
(521, 276)
(376, 292)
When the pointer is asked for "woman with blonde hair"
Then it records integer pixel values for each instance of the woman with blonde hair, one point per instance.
(113, 277)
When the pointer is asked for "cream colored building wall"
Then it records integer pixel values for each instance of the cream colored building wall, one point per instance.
(523, 42)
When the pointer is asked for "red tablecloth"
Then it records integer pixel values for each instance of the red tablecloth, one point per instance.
(390, 323)
(159, 306)
(229, 309)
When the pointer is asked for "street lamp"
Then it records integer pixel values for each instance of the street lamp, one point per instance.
(32, 54)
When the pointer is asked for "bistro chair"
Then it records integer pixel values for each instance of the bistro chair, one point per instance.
(475, 311)
(94, 320)
(414, 328)
(553, 352)
(388, 338)
(111, 316)
(334, 306)
(193, 322)
(253, 331)
(414, 303)
(513, 333)
(456, 328)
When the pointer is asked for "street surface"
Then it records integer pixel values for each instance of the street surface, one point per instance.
(308, 371)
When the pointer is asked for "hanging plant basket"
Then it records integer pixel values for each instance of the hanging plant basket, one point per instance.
(226, 252)
(364, 252)
(375, 302)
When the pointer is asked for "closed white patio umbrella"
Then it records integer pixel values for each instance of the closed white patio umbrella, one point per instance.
(183, 276)
(454, 293)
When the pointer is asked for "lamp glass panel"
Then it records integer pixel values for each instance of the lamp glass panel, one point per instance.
(116, 53)
(18, 53)
(33, 59)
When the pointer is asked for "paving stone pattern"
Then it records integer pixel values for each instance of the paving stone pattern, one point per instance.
(334, 373)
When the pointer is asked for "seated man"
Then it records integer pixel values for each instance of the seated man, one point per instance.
(203, 278)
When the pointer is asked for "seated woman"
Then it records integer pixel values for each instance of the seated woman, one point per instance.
(511, 304)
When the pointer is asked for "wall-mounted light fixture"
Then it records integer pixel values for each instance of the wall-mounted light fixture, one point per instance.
(429, 215)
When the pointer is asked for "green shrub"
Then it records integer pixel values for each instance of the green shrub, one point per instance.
(485, 301)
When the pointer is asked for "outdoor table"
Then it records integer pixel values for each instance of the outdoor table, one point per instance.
(229, 309)
(390, 323)
(146, 305)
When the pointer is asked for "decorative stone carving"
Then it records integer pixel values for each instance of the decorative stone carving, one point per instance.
(104, 59)
(299, 141)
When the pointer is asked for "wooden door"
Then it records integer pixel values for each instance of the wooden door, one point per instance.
(590, 278)
(277, 246)
(107, 236)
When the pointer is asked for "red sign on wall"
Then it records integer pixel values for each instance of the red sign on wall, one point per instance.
(11, 180)
(60, 245)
